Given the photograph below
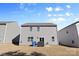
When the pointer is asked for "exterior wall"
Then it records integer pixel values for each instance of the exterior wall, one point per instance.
(12, 31)
(67, 35)
(46, 32)
(2, 33)
(77, 25)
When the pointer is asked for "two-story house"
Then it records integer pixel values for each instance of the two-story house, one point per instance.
(39, 32)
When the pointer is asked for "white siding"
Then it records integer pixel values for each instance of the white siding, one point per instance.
(12, 31)
(46, 32)
(2, 32)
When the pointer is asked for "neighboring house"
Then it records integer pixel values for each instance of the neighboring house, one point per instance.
(9, 32)
(69, 35)
(42, 33)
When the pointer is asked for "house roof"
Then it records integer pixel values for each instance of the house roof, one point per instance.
(70, 25)
(5, 22)
(39, 24)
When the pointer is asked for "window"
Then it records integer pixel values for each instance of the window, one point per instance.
(53, 38)
(73, 41)
(38, 28)
(47, 43)
(30, 28)
(30, 39)
(41, 39)
(67, 31)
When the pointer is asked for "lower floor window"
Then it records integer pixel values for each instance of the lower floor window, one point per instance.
(41, 39)
(30, 39)
(47, 43)
(73, 41)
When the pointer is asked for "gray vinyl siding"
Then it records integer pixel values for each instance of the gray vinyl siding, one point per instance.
(66, 38)
(77, 26)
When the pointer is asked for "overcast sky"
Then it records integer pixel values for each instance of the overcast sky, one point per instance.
(61, 14)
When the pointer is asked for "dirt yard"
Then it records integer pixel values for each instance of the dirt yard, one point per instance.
(13, 50)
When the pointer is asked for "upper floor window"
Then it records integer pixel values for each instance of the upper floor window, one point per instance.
(67, 32)
(38, 28)
(52, 38)
(30, 28)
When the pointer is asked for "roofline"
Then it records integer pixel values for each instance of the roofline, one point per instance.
(39, 26)
(69, 25)
(45, 25)
(2, 24)
(5, 22)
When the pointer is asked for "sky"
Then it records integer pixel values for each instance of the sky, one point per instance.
(61, 14)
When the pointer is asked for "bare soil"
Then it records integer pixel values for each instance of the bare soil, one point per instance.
(23, 50)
